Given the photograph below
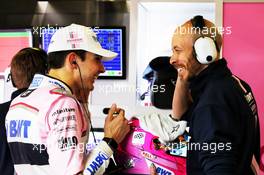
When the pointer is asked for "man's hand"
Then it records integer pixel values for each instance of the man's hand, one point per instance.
(116, 127)
(183, 75)
(181, 97)
(152, 169)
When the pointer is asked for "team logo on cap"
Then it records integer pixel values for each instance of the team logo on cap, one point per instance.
(74, 39)
(73, 35)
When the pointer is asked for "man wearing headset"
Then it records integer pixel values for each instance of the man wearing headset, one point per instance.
(48, 125)
(219, 107)
(24, 65)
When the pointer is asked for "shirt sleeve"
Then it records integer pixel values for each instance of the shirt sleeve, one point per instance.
(98, 159)
(216, 133)
(67, 136)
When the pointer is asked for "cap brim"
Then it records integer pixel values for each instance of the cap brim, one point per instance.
(106, 54)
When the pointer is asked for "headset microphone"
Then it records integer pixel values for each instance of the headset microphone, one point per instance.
(85, 95)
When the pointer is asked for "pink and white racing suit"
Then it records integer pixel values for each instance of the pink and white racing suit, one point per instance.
(47, 131)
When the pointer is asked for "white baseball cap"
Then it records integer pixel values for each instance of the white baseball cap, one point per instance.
(78, 37)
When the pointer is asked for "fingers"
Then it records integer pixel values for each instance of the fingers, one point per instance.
(121, 113)
(118, 110)
(111, 112)
(152, 169)
(115, 112)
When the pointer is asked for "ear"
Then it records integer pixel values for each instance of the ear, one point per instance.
(71, 60)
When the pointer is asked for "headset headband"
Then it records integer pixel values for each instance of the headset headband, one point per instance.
(198, 21)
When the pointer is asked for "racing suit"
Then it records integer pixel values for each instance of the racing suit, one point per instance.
(47, 131)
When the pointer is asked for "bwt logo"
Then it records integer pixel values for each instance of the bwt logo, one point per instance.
(97, 163)
(163, 171)
(17, 127)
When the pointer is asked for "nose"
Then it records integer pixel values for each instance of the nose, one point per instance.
(172, 59)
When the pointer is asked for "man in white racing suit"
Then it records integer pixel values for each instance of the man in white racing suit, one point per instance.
(48, 125)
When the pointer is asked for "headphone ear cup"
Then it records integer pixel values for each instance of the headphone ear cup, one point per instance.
(205, 50)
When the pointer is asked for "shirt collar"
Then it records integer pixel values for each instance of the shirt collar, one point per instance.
(17, 93)
(215, 70)
(45, 80)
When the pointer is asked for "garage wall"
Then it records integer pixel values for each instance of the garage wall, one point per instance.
(243, 49)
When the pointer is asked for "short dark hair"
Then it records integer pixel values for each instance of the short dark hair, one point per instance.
(56, 59)
(25, 64)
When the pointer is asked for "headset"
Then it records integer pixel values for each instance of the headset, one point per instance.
(74, 62)
(84, 92)
(205, 48)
